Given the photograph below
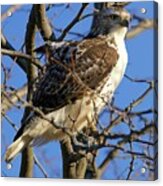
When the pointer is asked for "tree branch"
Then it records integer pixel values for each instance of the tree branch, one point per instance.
(141, 27)
(73, 22)
(27, 154)
(6, 104)
(20, 61)
(74, 164)
(133, 136)
(10, 10)
(69, 169)
(43, 23)
(119, 118)
(16, 54)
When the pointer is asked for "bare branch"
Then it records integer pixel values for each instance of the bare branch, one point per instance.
(6, 104)
(114, 152)
(43, 23)
(141, 27)
(10, 11)
(6, 45)
(120, 118)
(27, 154)
(36, 161)
(17, 54)
(10, 121)
(73, 22)
(27, 163)
(131, 163)
(69, 168)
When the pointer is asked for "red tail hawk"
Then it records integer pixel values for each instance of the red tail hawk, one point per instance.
(80, 79)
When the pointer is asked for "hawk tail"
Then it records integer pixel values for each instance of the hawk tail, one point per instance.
(17, 146)
(22, 138)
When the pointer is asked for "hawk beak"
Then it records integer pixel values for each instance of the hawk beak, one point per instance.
(125, 23)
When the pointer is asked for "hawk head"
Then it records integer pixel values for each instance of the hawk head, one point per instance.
(110, 20)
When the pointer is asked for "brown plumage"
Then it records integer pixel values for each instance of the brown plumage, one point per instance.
(81, 66)
(79, 81)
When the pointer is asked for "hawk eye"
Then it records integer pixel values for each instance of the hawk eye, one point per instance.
(114, 16)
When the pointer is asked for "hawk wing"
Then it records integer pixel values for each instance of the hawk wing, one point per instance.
(75, 68)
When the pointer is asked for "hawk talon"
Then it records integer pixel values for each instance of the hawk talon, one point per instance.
(82, 145)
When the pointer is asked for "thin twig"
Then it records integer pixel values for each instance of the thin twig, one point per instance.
(73, 22)
(10, 11)
(36, 161)
(17, 54)
(20, 61)
(114, 152)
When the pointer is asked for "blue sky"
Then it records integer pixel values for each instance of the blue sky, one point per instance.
(140, 50)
